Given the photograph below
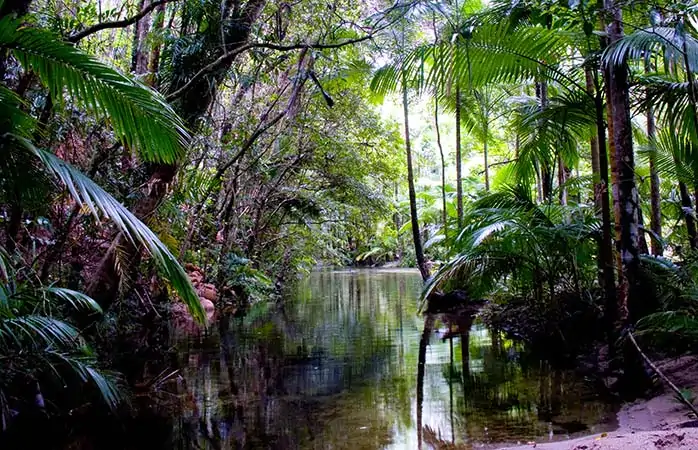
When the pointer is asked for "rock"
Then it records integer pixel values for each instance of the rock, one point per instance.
(209, 292)
(189, 267)
(209, 307)
(196, 277)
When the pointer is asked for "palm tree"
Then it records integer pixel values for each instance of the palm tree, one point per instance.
(140, 118)
(40, 350)
(514, 248)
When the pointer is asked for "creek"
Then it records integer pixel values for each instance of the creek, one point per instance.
(340, 367)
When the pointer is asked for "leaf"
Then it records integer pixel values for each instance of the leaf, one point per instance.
(85, 191)
(77, 300)
(140, 117)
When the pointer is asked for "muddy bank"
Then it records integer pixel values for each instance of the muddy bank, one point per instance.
(657, 423)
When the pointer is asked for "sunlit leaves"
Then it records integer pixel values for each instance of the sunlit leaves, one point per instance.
(139, 116)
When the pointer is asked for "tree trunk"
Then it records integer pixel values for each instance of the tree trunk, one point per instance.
(594, 146)
(614, 172)
(139, 58)
(694, 107)
(485, 149)
(444, 214)
(655, 197)
(459, 173)
(561, 180)
(539, 183)
(546, 179)
(635, 380)
(416, 237)
(154, 63)
(599, 165)
(687, 207)
(644, 249)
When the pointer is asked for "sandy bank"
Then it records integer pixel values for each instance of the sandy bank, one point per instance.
(657, 423)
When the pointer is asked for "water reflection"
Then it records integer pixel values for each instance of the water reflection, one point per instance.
(339, 366)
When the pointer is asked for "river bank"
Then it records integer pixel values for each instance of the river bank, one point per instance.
(648, 424)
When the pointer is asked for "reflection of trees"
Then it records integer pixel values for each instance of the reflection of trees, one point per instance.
(421, 367)
(501, 396)
(328, 370)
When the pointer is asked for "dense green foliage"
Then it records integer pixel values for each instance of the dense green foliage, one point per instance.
(190, 158)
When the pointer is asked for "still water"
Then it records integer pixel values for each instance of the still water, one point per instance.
(348, 364)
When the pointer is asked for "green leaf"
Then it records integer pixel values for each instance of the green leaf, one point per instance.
(140, 117)
(86, 192)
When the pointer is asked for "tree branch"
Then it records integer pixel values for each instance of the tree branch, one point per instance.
(680, 395)
(283, 48)
(117, 23)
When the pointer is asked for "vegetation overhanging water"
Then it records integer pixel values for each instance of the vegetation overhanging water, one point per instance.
(168, 165)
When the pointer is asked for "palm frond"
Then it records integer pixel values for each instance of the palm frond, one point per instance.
(86, 192)
(77, 300)
(510, 243)
(642, 43)
(672, 103)
(140, 117)
(491, 54)
(41, 331)
(83, 367)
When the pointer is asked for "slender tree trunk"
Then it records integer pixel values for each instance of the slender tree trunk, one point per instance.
(694, 107)
(561, 180)
(623, 165)
(687, 206)
(154, 63)
(600, 190)
(655, 197)
(416, 236)
(139, 58)
(444, 213)
(459, 173)
(396, 217)
(634, 378)
(594, 146)
(644, 249)
(614, 171)
(546, 178)
(485, 149)
(539, 183)
(601, 198)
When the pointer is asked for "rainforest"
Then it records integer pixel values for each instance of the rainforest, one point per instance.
(389, 224)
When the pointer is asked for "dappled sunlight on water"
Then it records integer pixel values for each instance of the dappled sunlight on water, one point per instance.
(337, 368)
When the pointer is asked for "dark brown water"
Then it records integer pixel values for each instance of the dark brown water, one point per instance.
(337, 368)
